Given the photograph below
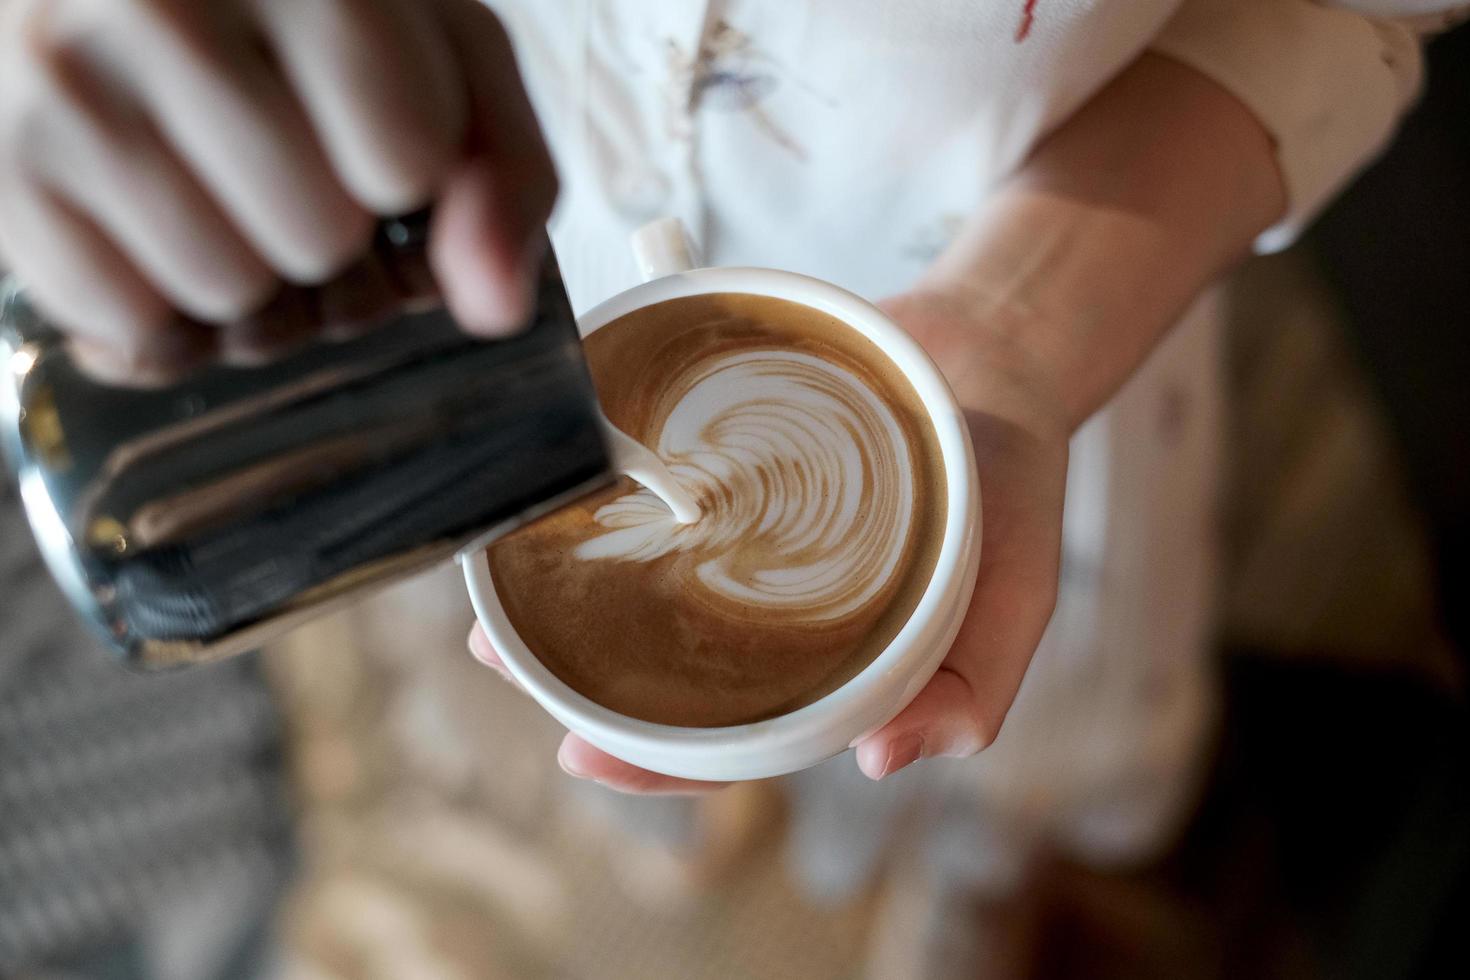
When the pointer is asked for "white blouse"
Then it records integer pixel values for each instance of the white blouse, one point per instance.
(848, 139)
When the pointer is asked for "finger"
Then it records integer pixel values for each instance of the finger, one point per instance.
(961, 710)
(362, 296)
(155, 366)
(944, 720)
(107, 160)
(286, 322)
(341, 309)
(585, 761)
(236, 124)
(488, 235)
(484, 651)
(485, 270)
(378, 83)
(87, 285)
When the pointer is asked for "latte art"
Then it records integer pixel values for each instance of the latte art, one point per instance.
(803, 477)
(816, 513)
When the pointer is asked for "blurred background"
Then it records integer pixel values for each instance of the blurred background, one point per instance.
(366, 802)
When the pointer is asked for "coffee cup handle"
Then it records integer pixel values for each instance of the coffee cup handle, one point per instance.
(662, 248)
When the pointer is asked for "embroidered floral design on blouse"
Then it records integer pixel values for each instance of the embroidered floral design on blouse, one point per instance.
(1028, 17)
(931, 238)
(729, 74)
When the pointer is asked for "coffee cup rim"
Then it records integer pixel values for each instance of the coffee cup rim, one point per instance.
(876, 693)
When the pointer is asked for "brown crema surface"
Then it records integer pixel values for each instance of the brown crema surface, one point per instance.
(699, 627)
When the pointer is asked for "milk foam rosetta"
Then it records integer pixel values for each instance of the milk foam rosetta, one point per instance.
(803, 476)
(821, 500)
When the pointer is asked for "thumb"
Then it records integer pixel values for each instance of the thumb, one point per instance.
(944, 720)
(488, 236)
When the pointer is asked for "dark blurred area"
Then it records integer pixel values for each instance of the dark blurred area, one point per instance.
(1335, 838)
(148, 827)
(1396, 250)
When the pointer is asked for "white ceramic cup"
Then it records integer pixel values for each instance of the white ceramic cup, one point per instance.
(808, 735)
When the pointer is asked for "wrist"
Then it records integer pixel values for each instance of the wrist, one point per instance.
(986, 351)
(1079, 263)
(1015, 296)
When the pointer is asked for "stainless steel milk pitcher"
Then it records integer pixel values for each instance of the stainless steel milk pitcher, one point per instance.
(199, 520)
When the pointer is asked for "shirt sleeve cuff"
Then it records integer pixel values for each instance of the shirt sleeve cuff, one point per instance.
(1328, 85)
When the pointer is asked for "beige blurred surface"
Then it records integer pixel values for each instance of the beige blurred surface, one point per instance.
(442, 841)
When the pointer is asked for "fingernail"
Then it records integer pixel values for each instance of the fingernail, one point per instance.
(497, 309)
(528, 273)
(903, 751)
(567, 766)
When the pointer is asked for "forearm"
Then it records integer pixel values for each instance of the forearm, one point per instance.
(1078, 264)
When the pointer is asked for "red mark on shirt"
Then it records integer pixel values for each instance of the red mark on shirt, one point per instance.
(1028, 16)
